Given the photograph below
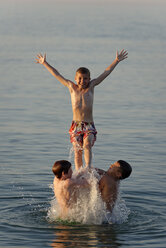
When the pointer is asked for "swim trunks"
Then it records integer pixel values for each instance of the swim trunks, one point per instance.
(79, 130)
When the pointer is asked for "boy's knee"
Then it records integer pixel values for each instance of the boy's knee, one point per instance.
(89, 141)
(87, 147)
(88, 144)
(77, 147)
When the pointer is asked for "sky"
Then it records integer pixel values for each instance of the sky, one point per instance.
(87, 1)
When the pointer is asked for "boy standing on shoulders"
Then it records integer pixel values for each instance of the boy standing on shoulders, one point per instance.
(82, 130)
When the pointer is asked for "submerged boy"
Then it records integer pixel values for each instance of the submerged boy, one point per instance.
(82, 130)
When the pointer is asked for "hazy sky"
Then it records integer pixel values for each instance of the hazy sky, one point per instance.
(87, 1)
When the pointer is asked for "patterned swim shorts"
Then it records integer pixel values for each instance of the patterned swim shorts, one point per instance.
(79, 130)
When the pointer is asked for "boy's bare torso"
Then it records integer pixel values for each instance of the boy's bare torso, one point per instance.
(82, 102)
(63, 194)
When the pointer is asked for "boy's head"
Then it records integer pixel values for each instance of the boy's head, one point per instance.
(82, 77)
(120, 169)
(125, 168)
(62, 168)
(83, 70)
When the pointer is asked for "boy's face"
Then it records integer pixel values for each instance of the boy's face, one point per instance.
(115, 170)
(82, 80)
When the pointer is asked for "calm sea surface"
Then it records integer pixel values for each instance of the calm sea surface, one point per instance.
(35, 115)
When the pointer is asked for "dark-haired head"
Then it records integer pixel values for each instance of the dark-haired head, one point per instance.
(125, 168)
(61, 166)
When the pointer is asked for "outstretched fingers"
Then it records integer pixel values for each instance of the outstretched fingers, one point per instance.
(122, 55)
(40, 58)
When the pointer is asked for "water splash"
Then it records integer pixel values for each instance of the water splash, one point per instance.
(120, 212)
(90, 209)
(71, 153)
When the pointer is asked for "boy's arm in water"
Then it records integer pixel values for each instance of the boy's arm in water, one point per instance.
(109, 191)
(42, 60)
(119, 57)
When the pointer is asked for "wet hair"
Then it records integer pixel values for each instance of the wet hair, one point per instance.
(125, 169)
(61, 166)
(83, 70)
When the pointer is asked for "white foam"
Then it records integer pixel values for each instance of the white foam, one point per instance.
(120, 212)
(71, 152)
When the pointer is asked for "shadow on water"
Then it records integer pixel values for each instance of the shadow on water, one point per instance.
(85, 236)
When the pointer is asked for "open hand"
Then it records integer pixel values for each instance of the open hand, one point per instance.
(122, 55)
(40, 59)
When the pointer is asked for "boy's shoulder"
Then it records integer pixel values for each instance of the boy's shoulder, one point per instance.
(106, 180)
(72, 85)
(68, 183)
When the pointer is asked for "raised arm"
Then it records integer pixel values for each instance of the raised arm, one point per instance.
(42, 60)
(119, 57)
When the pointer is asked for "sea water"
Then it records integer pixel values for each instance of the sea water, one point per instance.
(35, 115)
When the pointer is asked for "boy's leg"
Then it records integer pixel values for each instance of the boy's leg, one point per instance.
(77, 155)
(87, 146)
(76, 138)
